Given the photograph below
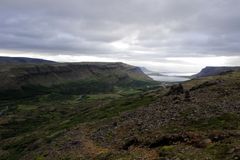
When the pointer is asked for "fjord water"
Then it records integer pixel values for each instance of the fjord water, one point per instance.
(172, 77)
(169, 78)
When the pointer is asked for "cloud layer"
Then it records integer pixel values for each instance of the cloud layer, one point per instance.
(133, 30)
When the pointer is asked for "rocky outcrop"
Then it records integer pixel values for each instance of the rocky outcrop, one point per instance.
(175, 90)
(209, 110)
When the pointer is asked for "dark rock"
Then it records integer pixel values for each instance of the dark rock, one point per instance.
(176, 90)
(187, 96)
(114, 124)
(74, 143)
(164, 158)
(129, 142)
(236, 157)
(176, 99)
(217, 136)
(167, 140)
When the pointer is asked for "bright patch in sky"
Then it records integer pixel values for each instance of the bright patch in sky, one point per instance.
(120, 45)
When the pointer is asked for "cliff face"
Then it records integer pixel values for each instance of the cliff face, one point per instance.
(212, 71)
(16, 76)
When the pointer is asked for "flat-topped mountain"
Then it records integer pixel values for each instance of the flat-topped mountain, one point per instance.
(22, 60)
(80, 77)
(212, 71)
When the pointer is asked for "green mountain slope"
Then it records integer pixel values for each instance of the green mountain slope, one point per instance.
(31, 79)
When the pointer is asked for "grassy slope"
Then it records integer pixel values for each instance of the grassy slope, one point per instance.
(32, 122)
(101, 126)
(20, 81)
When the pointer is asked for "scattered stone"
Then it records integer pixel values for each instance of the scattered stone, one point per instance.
(217, 136)
(204, 84)
(176, 99)
(203, 143)
(230, 151)
(74, 143)
(236, 157)
(129, 142)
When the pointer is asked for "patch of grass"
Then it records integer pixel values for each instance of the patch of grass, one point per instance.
(17, 148)
(114, 108)
(118, 156)
(103, 96)
(26, 107)
(47, 115)
(225, 121)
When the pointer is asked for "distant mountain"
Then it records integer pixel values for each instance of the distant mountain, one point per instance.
(145, 70)
(212, 71)
(149, 72)
(22, 60)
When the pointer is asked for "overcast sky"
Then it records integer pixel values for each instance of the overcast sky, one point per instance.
(162, 35)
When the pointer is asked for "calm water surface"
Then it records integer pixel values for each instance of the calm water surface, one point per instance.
(169, 78)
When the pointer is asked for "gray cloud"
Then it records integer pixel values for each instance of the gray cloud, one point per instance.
(136, 29)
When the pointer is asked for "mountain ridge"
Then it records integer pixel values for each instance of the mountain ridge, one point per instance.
(69, 77)
(22, 60)
(212, 70)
